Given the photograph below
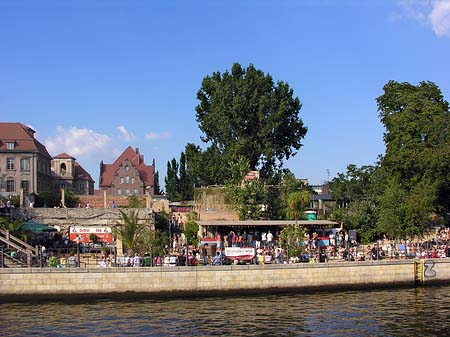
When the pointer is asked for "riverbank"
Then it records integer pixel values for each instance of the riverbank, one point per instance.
(217, 280)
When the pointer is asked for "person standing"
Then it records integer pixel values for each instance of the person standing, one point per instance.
(258, 240)
(269, 238)
(136, 260)
(264, 239)
(205, 254)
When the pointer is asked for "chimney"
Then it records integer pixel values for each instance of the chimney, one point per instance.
(137, 150)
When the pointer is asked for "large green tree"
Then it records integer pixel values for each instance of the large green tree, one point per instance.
(354, 192)
(416, 164)
(243, 113)
(172, 181)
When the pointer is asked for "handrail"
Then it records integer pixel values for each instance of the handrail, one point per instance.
(12, 239)
(17, 247)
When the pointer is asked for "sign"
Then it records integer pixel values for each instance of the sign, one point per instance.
(82, 234)
(237, 253)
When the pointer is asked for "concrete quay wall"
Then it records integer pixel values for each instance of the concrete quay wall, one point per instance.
(179, 281)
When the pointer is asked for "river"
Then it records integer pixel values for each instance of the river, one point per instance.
(385, 312)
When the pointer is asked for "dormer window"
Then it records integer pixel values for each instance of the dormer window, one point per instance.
(10, 145)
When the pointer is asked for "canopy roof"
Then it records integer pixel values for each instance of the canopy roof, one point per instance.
(256, 223)
(37, 227)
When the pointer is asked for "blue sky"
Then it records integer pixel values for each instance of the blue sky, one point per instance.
(92, 77)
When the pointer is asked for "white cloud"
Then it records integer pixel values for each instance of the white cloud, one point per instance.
(80, 142)
(127, 136)
(158, 135)
(440, 18)
(434, 13)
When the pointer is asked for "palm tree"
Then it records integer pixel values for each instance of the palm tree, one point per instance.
(297, 202)
(129, 230)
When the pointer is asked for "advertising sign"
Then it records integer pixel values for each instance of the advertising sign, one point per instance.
(82, 234)
(237, 253)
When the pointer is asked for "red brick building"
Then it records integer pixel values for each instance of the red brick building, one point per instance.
(129, 175)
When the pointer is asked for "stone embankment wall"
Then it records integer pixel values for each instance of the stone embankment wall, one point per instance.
(178, 281)
(65, 217)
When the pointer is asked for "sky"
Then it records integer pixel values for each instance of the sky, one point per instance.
(93, 77)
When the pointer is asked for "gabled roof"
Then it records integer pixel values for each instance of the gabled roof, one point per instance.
(64, 156)
(146, 172)
(23, 138)
(81, 173)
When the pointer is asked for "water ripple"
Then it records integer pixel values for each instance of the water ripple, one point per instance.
(398, 312)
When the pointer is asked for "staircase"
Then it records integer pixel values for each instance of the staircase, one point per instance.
(15, 253)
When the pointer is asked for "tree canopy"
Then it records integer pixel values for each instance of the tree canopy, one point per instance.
(416, 164)
(243, 113)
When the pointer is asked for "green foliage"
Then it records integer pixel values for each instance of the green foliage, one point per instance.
(172, 181)
(93, 237)
(247, 199)
(14, 227)
(53, 199)
(291, 239)
(135, 201)
(352, 185)
(416, 164)
(130, 230)
(47, 199)
(154, 242)
(191, 231)
(245, 114)
(298, 202)
(162, 221)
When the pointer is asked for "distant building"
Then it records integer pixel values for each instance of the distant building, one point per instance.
(24, 161)
(129, 175)
(68, 174)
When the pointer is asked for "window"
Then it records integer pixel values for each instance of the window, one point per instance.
(10, 186)
(132, 180)
(10, 163)
(127, 168)
(25, 185)
(25, 164)
(63, 169)
(119, 191)
(127, 191)
(121, 180)
(81, 188)
(127, 179)
(136, 191)
(10, 145)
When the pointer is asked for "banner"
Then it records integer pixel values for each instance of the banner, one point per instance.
(237, 253)
(82, 234)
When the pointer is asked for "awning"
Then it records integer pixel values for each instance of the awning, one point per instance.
(37, 227)
(257, 223)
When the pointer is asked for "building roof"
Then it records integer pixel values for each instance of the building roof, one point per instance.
(23, 138)
(64, 156)
(81, 173)
(146, 172)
